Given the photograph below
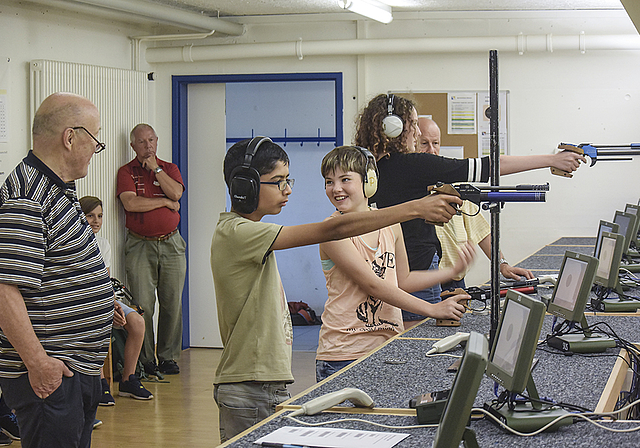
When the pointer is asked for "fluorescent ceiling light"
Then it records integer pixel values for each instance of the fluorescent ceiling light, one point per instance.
(369, 8)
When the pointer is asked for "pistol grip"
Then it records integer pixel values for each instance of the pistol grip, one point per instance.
(559, 172)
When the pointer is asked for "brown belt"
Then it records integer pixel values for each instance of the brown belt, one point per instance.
(154, 238)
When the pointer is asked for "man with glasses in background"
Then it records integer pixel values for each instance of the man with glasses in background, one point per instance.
(56, 299)
(149, 189)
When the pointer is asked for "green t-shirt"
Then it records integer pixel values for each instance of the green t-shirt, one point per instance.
(253, 315)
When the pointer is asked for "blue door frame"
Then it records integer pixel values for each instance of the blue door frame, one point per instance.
(179, 107)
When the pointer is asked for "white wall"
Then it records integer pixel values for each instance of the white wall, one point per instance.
(555, 97)
(31, 32)
(560, 96)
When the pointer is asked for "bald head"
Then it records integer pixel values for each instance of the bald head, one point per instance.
(64, 128)
(60, 111)
(430, 139)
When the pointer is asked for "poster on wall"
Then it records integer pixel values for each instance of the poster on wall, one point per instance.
(484, 129)
(461, 118)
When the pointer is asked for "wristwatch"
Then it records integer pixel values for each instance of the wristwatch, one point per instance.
(157, 170)
(503, 261)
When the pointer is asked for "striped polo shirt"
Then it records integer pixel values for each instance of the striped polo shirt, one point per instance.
(48, 251)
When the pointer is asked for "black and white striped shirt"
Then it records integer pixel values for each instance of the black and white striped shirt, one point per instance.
(48, 251)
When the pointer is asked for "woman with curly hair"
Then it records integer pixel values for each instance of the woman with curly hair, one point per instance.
(406, 174)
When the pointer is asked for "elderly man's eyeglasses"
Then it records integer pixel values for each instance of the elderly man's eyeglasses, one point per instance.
(282, 184)
(99, 146)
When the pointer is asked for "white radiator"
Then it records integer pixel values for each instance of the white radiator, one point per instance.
(123, 101)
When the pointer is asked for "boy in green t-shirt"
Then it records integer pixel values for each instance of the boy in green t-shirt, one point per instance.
(255, 325)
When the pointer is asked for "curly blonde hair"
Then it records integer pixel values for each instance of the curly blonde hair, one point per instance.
(369, 132)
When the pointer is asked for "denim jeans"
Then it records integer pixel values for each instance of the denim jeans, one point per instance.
(63, 419)
(242, 405)
(325, 369)
(431, 295)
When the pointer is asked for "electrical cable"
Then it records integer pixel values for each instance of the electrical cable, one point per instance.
(583, 416)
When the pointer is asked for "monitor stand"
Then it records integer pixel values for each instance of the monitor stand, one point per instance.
(529, 417)
(614, 305)
(469, 439)
(583, 342)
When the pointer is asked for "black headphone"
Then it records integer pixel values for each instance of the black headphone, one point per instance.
(392, 125)
(370, 184)
(244, 187)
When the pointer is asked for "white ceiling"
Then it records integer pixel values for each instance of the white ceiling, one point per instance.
(227, 8)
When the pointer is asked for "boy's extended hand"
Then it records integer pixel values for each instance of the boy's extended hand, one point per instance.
(450, 308)
(438, 208)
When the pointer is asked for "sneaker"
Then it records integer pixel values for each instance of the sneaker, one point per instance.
(96, 423)
(133, 388)
(9, 425)
(169, 367)
(106, 399)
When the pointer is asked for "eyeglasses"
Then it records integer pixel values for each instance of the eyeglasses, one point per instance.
(282, 184)
(99, 146)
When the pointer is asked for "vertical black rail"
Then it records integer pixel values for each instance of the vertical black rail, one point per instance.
(495, 181)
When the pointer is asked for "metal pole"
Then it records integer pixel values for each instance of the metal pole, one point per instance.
(495, 181)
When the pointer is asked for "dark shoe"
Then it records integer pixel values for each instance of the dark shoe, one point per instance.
(133, 388)
(106, 399)
(96, 423)
(9, 425)
(169, 367)
(5, 440)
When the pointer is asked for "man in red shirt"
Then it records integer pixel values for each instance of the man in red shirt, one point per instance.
(149, 189)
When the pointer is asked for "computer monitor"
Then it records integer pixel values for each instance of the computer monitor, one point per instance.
(609, 258)
(454, 420)
(568, 301)
(634, 210)
(626, 221)
(515, 341)
(572, 288)
(607, 278)
(604, 226)
(510, 364)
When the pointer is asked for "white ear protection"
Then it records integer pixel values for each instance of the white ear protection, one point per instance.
(370, 185)
(392, 125)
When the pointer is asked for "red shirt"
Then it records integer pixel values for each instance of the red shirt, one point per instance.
(133, 177)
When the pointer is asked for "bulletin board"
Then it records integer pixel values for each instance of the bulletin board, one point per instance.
(436, 104)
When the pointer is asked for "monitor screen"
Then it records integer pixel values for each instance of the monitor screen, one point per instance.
(633, 209)
(609, 260)
(457, 410)
(515, 341)
(626, 222)
(604, 226)
(572, 288)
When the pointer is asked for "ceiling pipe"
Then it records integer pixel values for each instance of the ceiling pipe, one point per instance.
(520, 43)
(160, 13)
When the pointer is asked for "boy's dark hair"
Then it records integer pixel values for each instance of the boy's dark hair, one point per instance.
(264, 161)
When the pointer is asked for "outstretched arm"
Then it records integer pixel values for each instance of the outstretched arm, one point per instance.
(433, 208)
(567, 161)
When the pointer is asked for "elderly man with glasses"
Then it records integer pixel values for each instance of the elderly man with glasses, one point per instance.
(56, 299)
(149, 189)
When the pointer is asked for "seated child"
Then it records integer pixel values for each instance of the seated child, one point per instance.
(130, 385)
(368, 277)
